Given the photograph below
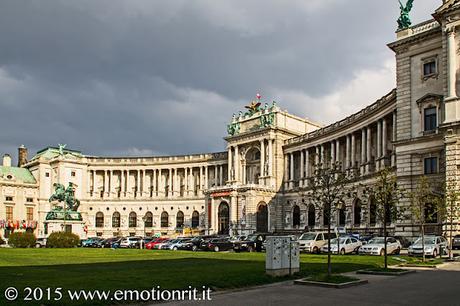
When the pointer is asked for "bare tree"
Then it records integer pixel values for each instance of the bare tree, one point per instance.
(386, 195)
(424, 204)
(328, 190)
(450, 208)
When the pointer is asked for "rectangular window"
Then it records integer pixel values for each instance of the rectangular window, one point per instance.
(9, 199)
(30, 213)
(30, 200)
(47, 174)
(72, 173)
(430, 119)
(9, 213)
(429, 68)
(431, 165)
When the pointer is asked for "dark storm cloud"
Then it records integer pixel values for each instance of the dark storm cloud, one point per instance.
(164, 77)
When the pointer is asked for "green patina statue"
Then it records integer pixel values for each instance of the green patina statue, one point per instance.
(70, 203)
(404, 21)
(233, 128)
(267, 120)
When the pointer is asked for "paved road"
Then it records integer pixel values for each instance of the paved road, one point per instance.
(428, 287)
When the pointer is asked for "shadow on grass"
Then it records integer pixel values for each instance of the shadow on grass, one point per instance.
(147, 274)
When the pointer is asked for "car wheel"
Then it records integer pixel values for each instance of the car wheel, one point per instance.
(398, 251)
(38, 245)
(342, 252)
(316, 250)
(382, 252)
(174, 248)
(250, 249)
(435, 253)
(216, 249)
(194, 248)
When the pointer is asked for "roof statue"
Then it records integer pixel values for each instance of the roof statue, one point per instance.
(404, 21)
(61, 149)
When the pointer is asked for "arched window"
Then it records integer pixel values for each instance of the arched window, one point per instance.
(296, 216)
(99, 219)
(148, 219)
(311, 215)
(262, 218)
(195, 219)
(326, 214)
(164, 219)
(223, 216)
(179, 219)
(357, 212)
(116, 219)
(342, 216)
(132, 219)
(372, 211)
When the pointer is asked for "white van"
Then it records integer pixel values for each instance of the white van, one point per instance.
(312, 242)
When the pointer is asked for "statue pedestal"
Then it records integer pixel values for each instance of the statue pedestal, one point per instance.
(71, 226)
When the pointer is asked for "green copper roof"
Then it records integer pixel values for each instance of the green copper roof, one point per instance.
(52, 152)
(21, 174)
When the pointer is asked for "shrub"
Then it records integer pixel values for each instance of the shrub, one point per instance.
(22, 240)
(62, 240)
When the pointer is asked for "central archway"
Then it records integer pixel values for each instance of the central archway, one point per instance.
(262, 218)
(223, 218)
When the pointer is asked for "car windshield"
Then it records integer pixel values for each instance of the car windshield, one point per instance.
(377, 241)
(308, 236)
(334, 241)
(428, 240)
(252, 238)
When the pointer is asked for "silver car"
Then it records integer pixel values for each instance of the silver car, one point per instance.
(376, 246)
(434, 245)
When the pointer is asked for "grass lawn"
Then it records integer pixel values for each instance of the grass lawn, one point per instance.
(107, 269)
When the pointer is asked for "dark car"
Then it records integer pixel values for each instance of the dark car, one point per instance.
(110, 242)
(456, 242)
(220, 244)
(254, 242)
(195, 243)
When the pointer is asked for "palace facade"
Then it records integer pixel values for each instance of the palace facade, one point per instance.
(260, 183)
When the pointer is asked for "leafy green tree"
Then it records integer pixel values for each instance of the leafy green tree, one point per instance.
(424, 205)
(386, 195)
(328, 188)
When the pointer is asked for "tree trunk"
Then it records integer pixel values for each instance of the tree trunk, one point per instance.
(423, 241)
(385, 236)
(329, 266)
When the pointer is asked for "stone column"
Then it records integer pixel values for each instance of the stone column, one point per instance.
(170, 189)
(122, 183)
(379, 145)
(129, 188)
(317, 155)
(154, 183)
(144, 185)
(333, 152)
(286, 171)
(230, 163)
(262, 159)
(363, 150)
(111, 189)
(368, 149)
(393, 138)
(270, 157)
(353, 150)
(337, 151)
(206, 174)
(200, 190)
(106, 183)
(384, 141)
(291, 170)
(307, 163)
(237, 164)
(347, 152)
(88, 183)
(138, 185)
(221, 175)
(301, 168)
(322, 154)
(451, 64)
(233, 210)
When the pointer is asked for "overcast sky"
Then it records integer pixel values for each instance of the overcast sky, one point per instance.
(143, 77)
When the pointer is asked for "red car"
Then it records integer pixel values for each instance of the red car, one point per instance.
(151, 244)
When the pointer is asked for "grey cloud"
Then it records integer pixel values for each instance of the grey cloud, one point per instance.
(127, 77)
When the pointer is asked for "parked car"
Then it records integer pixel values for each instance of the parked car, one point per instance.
(167, 245)
(343, 245)
(159, 245)
(456, 242)
(312, 242)
(129, 242)
(177, 244)
(237, 238)
(220, 244)
(40, 243)
(254, 242)
(91, 242)
(144, 241)
(110, 242)
(376, 246)
(151, 244)
(434, 245)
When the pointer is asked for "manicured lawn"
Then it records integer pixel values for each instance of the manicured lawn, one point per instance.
(107, 269)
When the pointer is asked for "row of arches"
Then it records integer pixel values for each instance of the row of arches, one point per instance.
(223, 215)
(148, 219)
